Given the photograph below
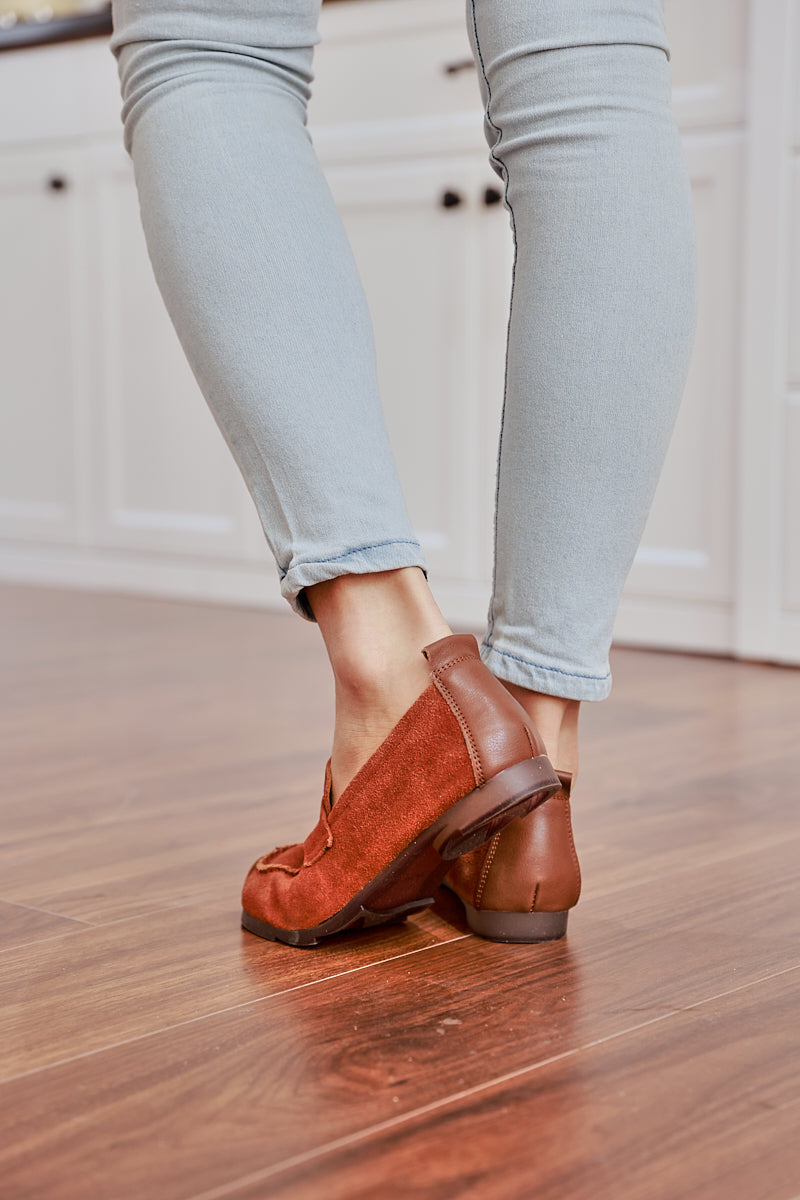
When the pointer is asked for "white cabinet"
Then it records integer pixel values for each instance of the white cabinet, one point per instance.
(105, 440)
(43, 366)
(682, 582)
(768, 514)
(163, 478)
(113, 473)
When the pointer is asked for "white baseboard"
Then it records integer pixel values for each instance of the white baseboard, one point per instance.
(642, 621)
(94, 570)
(670, 624)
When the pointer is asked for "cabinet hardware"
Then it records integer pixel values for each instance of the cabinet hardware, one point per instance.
(451, 199)
(461, 64)
(492, 196)
(57, 183)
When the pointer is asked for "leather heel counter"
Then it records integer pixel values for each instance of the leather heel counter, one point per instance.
(496, 729)
(535, 866)
(559, 878)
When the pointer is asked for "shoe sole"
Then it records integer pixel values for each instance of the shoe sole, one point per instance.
(408, 883)
(499, 926)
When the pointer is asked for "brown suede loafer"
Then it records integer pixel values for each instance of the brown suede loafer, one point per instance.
(520, 886)
(459, 765)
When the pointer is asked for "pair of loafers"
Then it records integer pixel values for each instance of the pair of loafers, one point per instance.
(445, 798)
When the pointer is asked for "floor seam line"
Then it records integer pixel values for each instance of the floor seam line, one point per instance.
(48, 912)
(86, 925)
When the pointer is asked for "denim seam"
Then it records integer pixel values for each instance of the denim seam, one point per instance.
(357, 550)
(504, 169)
(541, 667)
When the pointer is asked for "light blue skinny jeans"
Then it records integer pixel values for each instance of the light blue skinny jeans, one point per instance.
(260, 282)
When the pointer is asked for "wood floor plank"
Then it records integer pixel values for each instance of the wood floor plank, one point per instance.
(193, 839)
(285, 1075)
(150, 749)
(150, 739)
(104, 985)
(690, 759)
(20, 925)
(104, 684)
(177, 841)
(705, 1103)
(644, 833)
(157, 743)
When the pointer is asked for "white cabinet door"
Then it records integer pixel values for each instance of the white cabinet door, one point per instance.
(789, 503)
(768, 618)
(42, 364)
(165, 479)
(681, 589)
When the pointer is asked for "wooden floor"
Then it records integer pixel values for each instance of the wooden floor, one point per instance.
(149, 1048)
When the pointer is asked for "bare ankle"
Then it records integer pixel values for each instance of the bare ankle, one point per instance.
(375, 627)
(373, 624)
(557, 721)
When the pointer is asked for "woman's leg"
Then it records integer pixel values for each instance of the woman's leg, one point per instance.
(601, 325)
(431, 755)
(602, 320)
(253, 263)
(257, 274)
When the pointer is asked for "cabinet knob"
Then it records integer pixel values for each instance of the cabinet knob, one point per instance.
(460, 64)
(57, 183)
(451, 199)
(492, 196)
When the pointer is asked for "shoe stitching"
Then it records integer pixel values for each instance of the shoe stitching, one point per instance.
(452, 704)
(314, 562)
(265, 863)
(277, 867)
(451, 662)
(484, 875)
(530, 741)
(328, 841)
(535, 897)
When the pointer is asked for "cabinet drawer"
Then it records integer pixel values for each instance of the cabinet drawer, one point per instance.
(709, 60)
(400, 60)
(67, 90)
(410, 58)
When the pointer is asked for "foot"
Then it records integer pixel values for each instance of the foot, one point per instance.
(461, 763)
(557, 722)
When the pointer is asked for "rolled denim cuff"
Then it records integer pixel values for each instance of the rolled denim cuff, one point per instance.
(363, 560)
(545, 677)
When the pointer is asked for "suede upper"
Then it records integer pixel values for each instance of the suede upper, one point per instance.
(463, 730)
(401, 790)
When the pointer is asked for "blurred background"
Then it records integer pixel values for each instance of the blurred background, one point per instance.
(34, 22)
(113, 475)
(26, 10)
